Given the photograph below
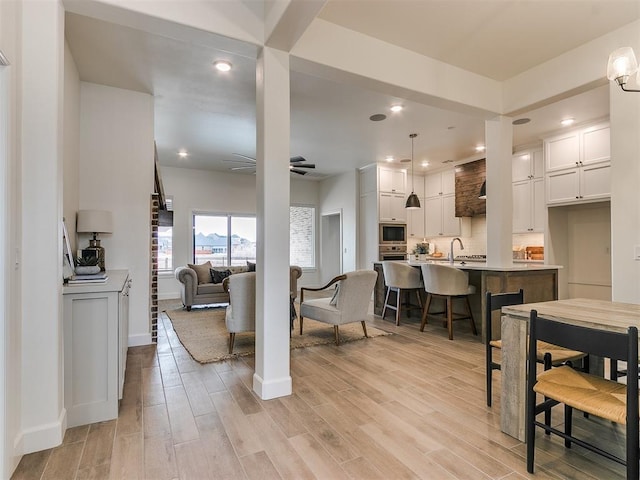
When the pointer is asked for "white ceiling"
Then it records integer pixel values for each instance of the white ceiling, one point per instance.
(212, 115)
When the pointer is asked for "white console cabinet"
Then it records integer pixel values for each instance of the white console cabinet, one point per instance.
(96, 329)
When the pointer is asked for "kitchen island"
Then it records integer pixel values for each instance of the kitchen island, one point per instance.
(539, 282)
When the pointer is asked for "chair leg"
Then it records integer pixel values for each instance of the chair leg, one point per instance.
(232, 339)
(398, 303)
(489, 368)
(301, 319)
(364, 328)
(425, 312)
(473, 324)
(568, 414)
(188, 308)
(336, 332)
(450, 316)
(530, 428)
(386, 302)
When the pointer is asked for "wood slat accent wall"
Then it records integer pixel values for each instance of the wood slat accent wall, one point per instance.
(469, 178)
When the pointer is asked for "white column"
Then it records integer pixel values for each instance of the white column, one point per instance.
(624, 111)
(499, 147)
(272, 378)
(43, 414)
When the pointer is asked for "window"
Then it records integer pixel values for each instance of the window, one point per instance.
(231, 239)
(224, 239)
(302, 243)
(165, 242)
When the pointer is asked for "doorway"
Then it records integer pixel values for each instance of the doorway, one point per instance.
(330, 245)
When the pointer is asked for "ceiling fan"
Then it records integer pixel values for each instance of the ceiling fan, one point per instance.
(295, 163)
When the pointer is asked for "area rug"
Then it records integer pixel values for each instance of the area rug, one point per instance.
(203, 333)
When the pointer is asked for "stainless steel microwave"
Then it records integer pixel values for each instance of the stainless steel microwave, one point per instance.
(393, 234)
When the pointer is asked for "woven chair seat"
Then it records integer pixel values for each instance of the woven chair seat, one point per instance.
(588, 393)
(559, 355)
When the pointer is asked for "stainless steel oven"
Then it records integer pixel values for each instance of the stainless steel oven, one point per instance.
(393, 252)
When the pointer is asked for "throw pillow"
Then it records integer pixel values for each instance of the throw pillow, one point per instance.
(334, 299)
(217, 276)
(251, 265)
(202, 272)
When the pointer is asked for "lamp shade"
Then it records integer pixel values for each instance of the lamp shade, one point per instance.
(483, 191)
(622, 63)
(413, 202)
(94, 221)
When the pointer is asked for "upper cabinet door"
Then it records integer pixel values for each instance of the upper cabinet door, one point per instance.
(521, 167)
(596, 146)
(393, 180)
(562, 151)
(448, 182)
(417, 185)
(433, 185)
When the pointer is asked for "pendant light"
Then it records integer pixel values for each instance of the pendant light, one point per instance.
(483, 191)
(413, 202)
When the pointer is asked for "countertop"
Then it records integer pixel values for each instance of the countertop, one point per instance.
(516, 267)
(115, 283)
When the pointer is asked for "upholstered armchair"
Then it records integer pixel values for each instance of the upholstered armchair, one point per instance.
(350, 301)
(241, 312)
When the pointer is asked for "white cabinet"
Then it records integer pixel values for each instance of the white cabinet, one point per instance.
(392, 180)
(527, 165)
(528, 206)
(95, 348)
(416, 222)
(440, 205)
(439, 184)
(391, 195)
(416, 184)
(578, 166)
(391, 207)
(528, 191)
(439, 216)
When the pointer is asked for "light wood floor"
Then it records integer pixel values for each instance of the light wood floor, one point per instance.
(409, 405)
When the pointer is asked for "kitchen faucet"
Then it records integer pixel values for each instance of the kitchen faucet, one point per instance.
(451, 253)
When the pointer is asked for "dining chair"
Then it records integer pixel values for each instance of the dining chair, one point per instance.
(240, 315)
(494, 302)
(349, 303)
(402, 279)
(447, 283)
(594, 395)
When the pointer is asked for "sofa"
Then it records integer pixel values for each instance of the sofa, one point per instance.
(197, 287)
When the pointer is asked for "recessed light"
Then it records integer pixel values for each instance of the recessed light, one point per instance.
(567, 121)
(425, 164)
(396, 108)
(183, 154)
(480, 148)
(222, 65)
(377, 117)
(520, 121)
(389, 158)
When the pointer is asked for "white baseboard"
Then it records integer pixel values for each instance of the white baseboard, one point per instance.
(140, 339)
(280, 387)
(169, 296)
(42, 437)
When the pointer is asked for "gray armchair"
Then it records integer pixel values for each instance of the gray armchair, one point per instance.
(350, 301)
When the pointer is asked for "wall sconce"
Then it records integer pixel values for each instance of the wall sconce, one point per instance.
(622, 64)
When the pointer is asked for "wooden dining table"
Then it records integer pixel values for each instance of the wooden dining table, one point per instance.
(600, 314)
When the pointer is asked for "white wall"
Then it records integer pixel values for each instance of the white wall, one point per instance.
(217, 192)
(341, 192)
(71, 145)
(10, 225)
(42, 73)
(116, 174)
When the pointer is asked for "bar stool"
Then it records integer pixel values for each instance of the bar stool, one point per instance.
(401, 278)
(448, 283)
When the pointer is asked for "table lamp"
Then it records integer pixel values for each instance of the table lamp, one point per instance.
(95, 222)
